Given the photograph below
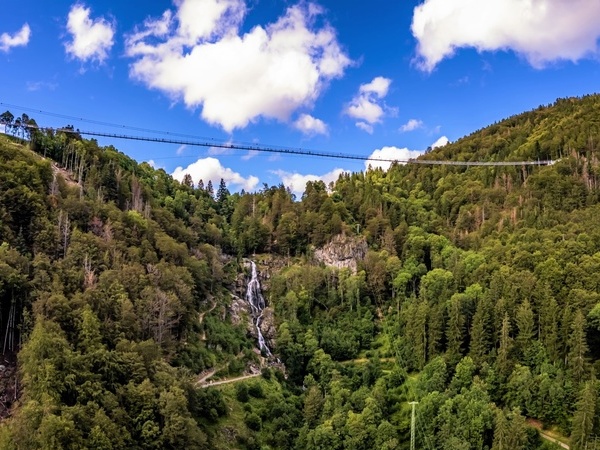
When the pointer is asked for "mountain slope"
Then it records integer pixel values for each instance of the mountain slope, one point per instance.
(478, 297)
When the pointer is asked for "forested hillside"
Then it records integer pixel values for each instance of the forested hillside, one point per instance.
(478, 297)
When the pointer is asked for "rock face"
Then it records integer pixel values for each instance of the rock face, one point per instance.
(267, 326)
(343, 252)
(239, 311)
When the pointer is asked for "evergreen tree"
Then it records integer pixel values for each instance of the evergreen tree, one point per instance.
(549, 327)
(578, 347)
(503, 359)
(481, 334)
(502, 436)
(585, 413)
(525, 325)
(187, 180)
(313, 405)
(435, 330)
(222, 193)
(455, 329)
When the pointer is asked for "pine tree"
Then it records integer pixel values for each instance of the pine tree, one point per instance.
(566, 321)
(518, 433)
(421, 327)
(435, 330)
(503, 360)
(583, 420)
(209, 188)
(187, 180)
(577, 347)
(455, 329)
(501, 432)
(416, 333)
(525, 325)
(313, 405)
(222, 192)
(481, 336)
(549, 327)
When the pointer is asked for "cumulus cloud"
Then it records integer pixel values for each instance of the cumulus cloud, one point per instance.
(367, 106)
(440, 142)
(378, 87)
(297, 182)
(91, 39)
(383, 157)
(310, 125)
(198, 55)
(211, 169)
(18, 39)
(411, 125)
(541, 31)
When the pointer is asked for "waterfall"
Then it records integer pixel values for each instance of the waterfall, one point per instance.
(257, 304)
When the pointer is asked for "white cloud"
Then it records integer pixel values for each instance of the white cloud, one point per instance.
(19, 39)
(251, 154)
(411, 125)
(383, 157)
(541, 31)
(365, 127)
(154, 165)
(211, 169)
(91, 39)
(379, 87)
(181, 149)
(440, 142)
(365, 109)
(367, 105)
(223, 149)
(199, 56)
(201, 19)
(297, 182)
(33, 86)
(310, 125)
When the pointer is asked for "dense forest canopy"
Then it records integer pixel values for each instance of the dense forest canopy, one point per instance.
(478, 296)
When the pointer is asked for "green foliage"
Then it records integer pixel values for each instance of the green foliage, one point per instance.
(584, 418)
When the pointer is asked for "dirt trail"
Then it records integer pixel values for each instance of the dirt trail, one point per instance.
(538, 425)
(226, 381)
(202, 314)
(206, 375)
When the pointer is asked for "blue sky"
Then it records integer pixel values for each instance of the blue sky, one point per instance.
(380, 78)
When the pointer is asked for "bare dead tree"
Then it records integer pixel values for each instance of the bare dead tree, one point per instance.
(64, 229)
(89, 278)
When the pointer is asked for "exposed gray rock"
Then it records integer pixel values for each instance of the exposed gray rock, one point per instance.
(267, 326)
(239, 311)
(343, 252)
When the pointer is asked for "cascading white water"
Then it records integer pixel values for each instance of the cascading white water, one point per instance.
(257, 303)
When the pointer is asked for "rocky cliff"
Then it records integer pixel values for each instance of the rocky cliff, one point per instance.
(343, 252)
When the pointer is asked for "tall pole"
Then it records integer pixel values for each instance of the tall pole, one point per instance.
(412, 425)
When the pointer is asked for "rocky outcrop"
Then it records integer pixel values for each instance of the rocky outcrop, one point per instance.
(267, 326)
(239, 311)
(343, 252)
